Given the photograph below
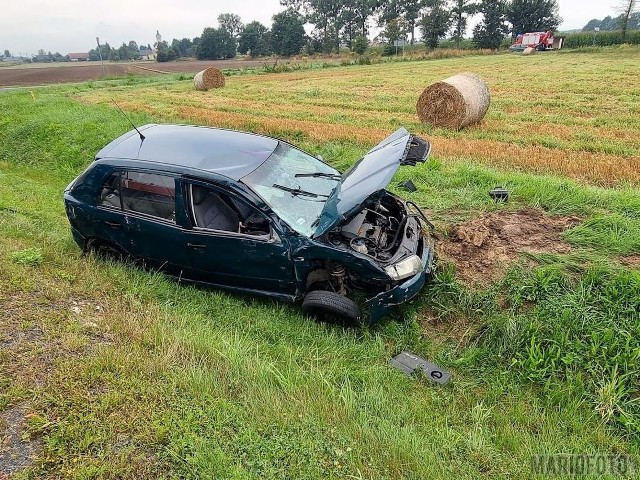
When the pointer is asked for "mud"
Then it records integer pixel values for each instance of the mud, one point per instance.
(483, 248)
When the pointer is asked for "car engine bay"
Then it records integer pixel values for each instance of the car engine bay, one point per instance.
(386, 231)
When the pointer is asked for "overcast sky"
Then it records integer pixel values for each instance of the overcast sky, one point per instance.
(72, 25)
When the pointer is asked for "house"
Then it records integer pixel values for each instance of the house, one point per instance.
(78, 57)
(146, 54)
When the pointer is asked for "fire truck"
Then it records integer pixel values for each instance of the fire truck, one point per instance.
(539, 40)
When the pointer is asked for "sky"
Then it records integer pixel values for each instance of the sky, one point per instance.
(71, 25)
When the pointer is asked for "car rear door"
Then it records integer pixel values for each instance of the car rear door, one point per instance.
(223, 254)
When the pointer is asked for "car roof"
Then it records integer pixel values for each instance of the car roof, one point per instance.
(225, 152)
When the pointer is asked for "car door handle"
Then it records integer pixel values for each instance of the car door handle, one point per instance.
(113, 224)
(196, 246)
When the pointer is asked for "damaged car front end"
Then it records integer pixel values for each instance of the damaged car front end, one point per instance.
(365, 238)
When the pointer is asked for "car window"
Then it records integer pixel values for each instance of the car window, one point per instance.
(110, 192)
(212, 209)
(148, 193)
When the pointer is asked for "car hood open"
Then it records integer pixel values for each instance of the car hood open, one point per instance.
(370, 175)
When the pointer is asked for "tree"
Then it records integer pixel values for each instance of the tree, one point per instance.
(626, 8)
(360, 44)
(460, 13)
(255, 40)
(7, 53)
(123, 52)
(435, 22)
(215, 44)
(533, 15)
(407, 10)
(287, 33)
(492, 28)
(230, 23)
(394, 30)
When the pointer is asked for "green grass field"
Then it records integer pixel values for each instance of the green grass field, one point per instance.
(120, 373)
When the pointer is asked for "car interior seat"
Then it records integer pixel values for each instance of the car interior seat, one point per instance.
(212, 212)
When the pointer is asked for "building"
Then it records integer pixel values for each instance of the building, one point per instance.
(78, 57)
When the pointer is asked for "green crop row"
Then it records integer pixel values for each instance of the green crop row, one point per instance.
(601, 39)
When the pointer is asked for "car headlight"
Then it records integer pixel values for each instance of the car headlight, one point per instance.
(406, 268)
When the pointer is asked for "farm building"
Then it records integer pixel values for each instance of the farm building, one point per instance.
(78, 57)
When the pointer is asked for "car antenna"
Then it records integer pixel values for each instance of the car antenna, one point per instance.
(142, 137)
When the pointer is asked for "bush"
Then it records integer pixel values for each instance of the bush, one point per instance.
(360, 45)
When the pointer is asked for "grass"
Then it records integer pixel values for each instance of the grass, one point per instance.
(129, 375)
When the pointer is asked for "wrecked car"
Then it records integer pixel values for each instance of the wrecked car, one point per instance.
(254, 214)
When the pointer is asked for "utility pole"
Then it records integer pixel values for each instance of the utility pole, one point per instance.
(100, 53)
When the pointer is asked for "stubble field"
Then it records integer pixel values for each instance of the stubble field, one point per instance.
(107, 371)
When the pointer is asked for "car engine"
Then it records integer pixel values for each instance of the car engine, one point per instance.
(386, 231)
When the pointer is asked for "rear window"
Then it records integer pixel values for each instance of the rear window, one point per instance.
(141, 192)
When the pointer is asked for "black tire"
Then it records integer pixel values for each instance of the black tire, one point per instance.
(323, 304)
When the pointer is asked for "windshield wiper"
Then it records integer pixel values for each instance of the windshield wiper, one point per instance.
(298, 191)
(332, 176)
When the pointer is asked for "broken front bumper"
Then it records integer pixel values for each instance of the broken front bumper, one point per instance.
(383, 303)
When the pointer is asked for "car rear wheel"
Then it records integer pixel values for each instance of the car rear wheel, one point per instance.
(324, 304)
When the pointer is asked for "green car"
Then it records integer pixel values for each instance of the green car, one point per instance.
(254, 214)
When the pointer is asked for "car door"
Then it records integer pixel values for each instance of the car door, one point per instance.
(223, 249)
(148, 222)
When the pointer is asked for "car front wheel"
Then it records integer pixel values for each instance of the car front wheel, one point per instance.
(322, 304)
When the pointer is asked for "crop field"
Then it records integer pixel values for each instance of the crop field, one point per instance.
(109, 371)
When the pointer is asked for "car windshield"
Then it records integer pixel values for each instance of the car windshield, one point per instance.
(295, 185)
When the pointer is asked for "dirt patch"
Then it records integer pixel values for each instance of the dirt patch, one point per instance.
(631, 261)
(16, 450)
(483, 248)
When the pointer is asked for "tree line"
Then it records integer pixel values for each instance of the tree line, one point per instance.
(347, 23)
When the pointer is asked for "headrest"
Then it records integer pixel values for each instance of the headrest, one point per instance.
(198, 194)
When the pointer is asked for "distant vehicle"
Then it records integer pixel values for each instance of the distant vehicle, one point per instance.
(255, 214)
(539, 40)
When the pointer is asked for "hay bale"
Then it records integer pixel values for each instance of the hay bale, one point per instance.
(209, 78)
(529, 51)
(455, 102)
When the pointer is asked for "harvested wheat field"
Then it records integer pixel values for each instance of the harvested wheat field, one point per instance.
(111, 371)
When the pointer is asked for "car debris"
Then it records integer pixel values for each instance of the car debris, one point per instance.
(412, 364)
(408, 185)
(499, 194)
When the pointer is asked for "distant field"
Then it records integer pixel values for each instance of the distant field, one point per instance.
(111, 372)
(44, 74)
(573, 115)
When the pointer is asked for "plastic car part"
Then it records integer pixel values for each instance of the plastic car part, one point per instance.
(320, 303)
(499, 194)
(408, 185)
(411, 364)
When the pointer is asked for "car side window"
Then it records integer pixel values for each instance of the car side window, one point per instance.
(148, 193)
(212, 209)
(110, 192)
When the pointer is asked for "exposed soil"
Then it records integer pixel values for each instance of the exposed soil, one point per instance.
(484, 247)
(41, 74)
(16, 452)
(632, 261)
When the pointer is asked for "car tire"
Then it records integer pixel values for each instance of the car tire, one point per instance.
(322, 304)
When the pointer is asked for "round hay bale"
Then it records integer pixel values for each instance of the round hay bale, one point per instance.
(529, 51)
(455, 102)
(209, 78)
